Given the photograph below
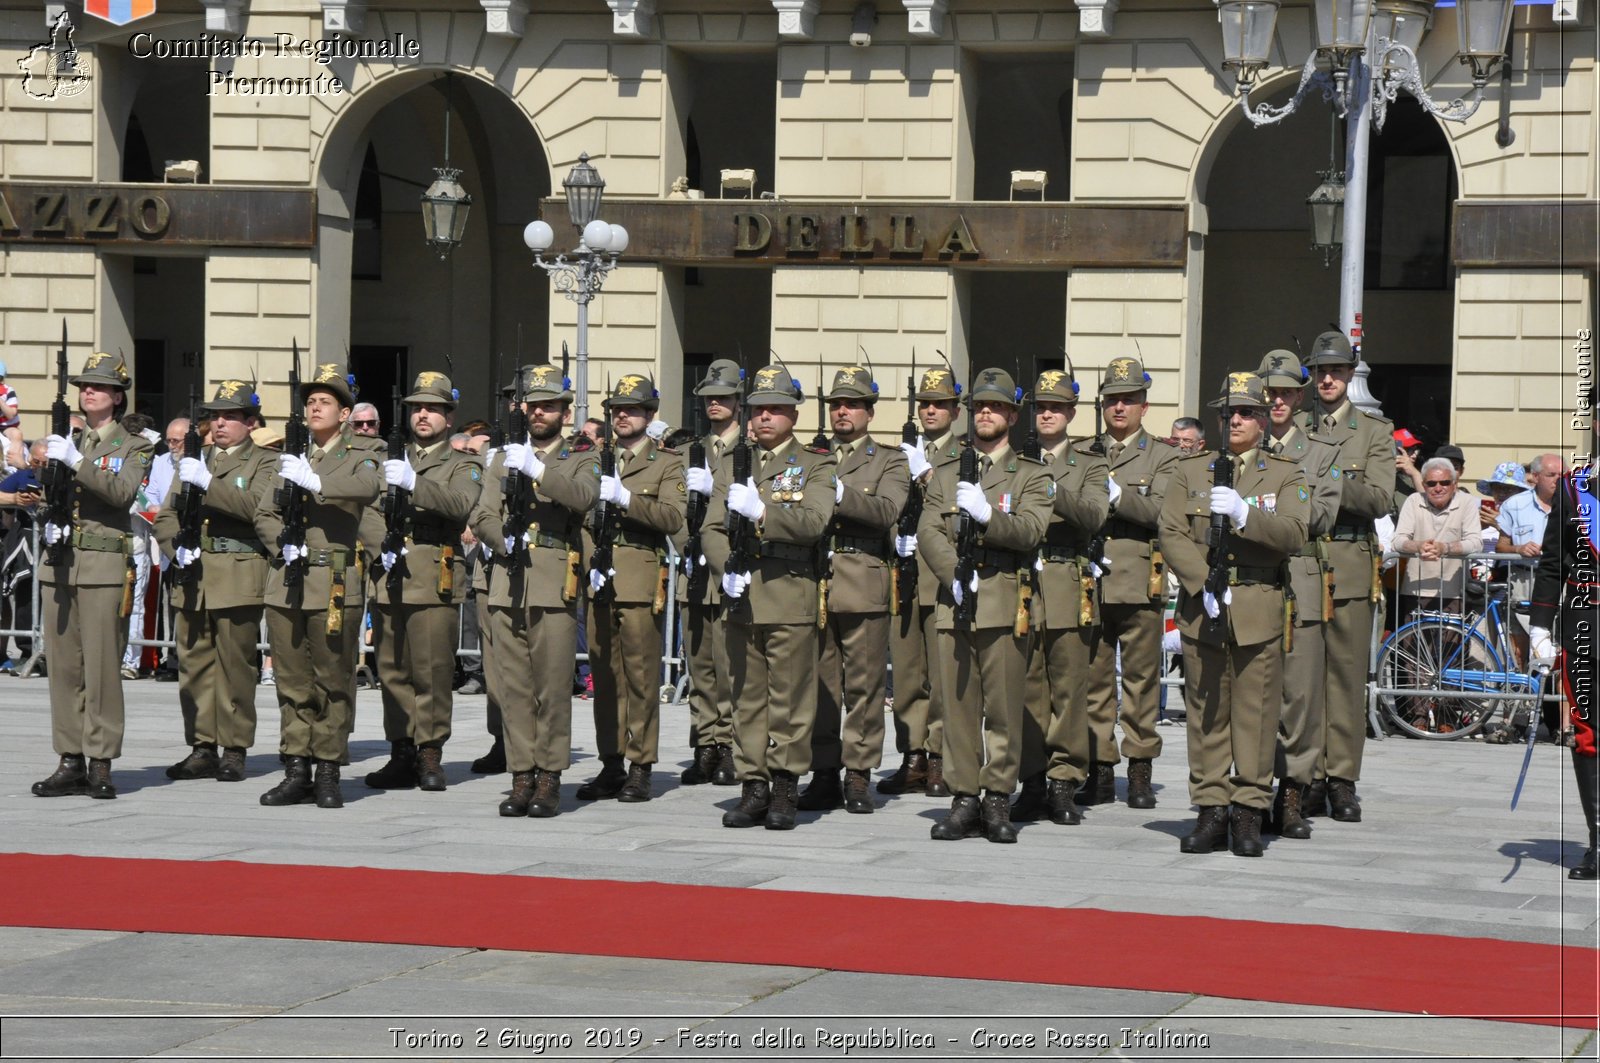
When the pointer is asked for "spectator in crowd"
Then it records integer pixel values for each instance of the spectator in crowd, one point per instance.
(1457, 459)
(21, 488)
(145, 506)
(1188, 436)
(364, 419)
(1521, 531)
(594, 428)
(11, 425)
(1506, 482)
(20, 493)
(1434, 530)
(1407, 476)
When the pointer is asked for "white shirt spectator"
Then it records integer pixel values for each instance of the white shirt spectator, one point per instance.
(1523, 519)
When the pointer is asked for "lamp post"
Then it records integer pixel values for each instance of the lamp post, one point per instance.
(1366, 53)
(580, 278)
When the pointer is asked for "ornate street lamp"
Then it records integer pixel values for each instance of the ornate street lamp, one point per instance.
(1247, 27)
(445, 203)
(599, 244)
(1327, 215)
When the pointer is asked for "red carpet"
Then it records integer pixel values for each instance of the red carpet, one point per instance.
(1241, 959)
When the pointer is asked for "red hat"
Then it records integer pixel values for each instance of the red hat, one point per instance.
(1404, 437)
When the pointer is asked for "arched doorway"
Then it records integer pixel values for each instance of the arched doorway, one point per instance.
(1264, 286)
(382, 293)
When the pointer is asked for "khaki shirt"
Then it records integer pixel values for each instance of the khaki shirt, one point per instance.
(877, 480)
(1275, 489)
(717, 446)
(435, 573)
(653, 475)
(944, 450)
(553, 553)
(231, 577)
(1365, 471)
(1141, 466)
(1319, 462)
(1076, 514)
(115, 464)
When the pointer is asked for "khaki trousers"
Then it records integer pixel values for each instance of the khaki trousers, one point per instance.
(851, 687)
(1232, 695)
(1348, 645)
(533, 654)
(710, 697)
(480, 602)
(217, 675)
(625, 660)
(85, 635)
(985, 676)
(918, 712)
(1055, 729)
(1138, 629)
(415, 649)
(316, 680)
(1303, 725)
(773, 673)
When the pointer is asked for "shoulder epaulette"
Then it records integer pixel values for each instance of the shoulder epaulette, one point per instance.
(1380, 418)
(582, 444)
(1030, 460)
(667, 450)
(818, 450)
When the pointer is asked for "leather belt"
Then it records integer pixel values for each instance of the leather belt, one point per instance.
(788, 551)
(337, 558)
(221, 544)
(106, 544)
(1007, 560)
(553, 542)
(1350, 533)
(1064, 554)
(639, 542)
(851, 544)
(431, 537)
(1127, 529)
(1254, 575)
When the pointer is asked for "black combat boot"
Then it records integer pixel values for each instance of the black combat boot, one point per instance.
(726, 774)
(910, 777)
(1314, 802)
(400, 773)
(637, 788)
(296, 784)
(965, 820)
(1246, 825)
(201, 763)
(822, 793)
(1586, 769)
(1100, 788)
(785, 800)
(1286, 817)
(752, 807)
(1031, 804)
(1140, 793)
(521, 793)
(99, 781)
(326, 787)
(608, 783)
(857, 791)
(1063, 809)
(230, 768)
(430, 770)
(1342, 800)
(704, 766)
(492, 762)
(936, 786)
(1210, 831)
(546, 801)
(68, 780)
(997, 817)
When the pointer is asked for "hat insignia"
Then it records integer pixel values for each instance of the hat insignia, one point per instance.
(1239, 383)
(1122, 369)
(1051, 379)
(767, 378)
(429, 379)
(934, 378)
(629, 384)
(229, 388)
(328, 373)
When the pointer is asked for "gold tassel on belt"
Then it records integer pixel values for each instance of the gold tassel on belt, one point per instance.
(1158, 574)
(1024, 620)
(569, 586)
(1377, 575)
(1086, 587)
(127, 590)
(659, 602)
(447, 579)
(335, 621)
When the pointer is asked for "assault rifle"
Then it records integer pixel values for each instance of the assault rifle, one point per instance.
(967, 530)
(695, 518)
(825, 544)
(741, 531)
(396, 499)
(1217, 536)
(606, 519)
(191, 499)
(59, 481)
(1097, 545)
(515, 488)
(903, 573)
(292, 500)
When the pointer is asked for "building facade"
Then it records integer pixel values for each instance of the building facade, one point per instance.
(210, 185)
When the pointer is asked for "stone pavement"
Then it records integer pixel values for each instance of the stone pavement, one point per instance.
(1439, 851)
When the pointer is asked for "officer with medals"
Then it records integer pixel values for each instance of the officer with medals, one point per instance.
(914, 634)
(1229, 546)
(870, 491)
(627, 602)
(1132, 594)
(1365, 445)
(314, 591)
(985, 661)
(780, 512)
(1055, 749)
(219, 609)
(704, 635)
(533, 601)
(86, 576)
(1305, 682)
(418, 589)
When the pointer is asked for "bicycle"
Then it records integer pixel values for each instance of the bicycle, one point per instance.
(1434, 664)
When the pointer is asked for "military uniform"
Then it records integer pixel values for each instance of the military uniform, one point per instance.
(219, 609)
(704, 636)
(984, 665)
(1233, 664)
(852, 680)
(1365, 445)
(416, 596)
(1132, 596)
(314, 621)
(533, 610)
(86, 577)
(1305, 687)
(1056, 729)
(772, 622)
(626, 606)
(914, 638)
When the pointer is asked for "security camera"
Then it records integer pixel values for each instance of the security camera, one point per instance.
(860, 40)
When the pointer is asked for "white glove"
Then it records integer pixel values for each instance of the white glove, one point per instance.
(1209, 600)
(597, 579)
(1171, 641)
(611, 490)
(185, 556)
(510, 544)
(193, 471)
(61, 449)
(957, 591)
(1541, 646)
(838, 491)
(745, 500)
(54, 533)
(524, 459)
(291, 553)
(971, 501)
(1227, 501)
(905, 545)
(734, 584)
(1113, 489)
(916, 458)
(488, 551)
(391, 559)
(297, 470)
(698, 481)
(1099, 568)
(399, 473)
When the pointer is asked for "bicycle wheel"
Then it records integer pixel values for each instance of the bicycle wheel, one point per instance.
(1440, 655)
